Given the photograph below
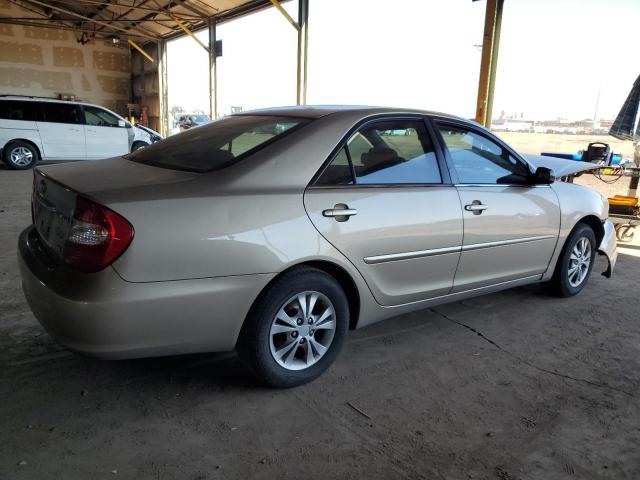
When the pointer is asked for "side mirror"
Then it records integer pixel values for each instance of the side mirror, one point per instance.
(124, 124)
(543, 176)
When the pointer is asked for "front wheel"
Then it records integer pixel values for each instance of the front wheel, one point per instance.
(138, 146)
(575, 263)
(296, 328)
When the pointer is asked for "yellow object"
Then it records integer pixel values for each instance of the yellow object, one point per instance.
(190, 33)
(276, 4)
(140, 49)
(625, 201)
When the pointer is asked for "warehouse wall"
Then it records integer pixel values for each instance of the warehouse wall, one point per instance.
(144, 81)
(48, 62)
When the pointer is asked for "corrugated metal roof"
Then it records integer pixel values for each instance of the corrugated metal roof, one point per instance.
(138, 19)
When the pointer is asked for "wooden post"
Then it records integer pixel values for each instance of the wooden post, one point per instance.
(485, 62)
(494, 63)
(301, 80)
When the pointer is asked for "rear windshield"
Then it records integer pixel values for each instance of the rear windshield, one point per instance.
(218, 144)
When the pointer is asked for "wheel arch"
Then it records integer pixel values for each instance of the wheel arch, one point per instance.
(336, 271)
(138, 142)
(596, 225)
(25, 140)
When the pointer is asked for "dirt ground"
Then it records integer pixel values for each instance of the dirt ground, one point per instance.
(515, 385)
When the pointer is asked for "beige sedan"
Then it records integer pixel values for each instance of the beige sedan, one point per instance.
(277, 231)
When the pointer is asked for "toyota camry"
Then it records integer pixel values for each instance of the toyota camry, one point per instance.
(275, 232)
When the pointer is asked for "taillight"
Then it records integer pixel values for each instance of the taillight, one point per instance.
(98, 236)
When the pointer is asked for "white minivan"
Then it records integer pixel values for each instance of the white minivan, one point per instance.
(33, 129)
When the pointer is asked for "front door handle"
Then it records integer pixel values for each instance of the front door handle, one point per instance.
(476, 207)
(340, 212)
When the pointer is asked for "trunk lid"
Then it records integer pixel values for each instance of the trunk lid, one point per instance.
(107, 182)
(52, 208)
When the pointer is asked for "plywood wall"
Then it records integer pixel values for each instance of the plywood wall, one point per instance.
(47, 62)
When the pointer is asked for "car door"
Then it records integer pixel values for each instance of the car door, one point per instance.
(386, 202)
(106, 134)
(61, 131)
(511, 226)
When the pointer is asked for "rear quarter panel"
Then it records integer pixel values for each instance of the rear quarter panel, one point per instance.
(20, 130)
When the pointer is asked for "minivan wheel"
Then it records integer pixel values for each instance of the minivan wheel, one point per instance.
(575, 263)
(20, 155)
(296, 328)
(138, 146)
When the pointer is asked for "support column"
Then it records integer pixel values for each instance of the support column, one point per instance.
(213, 76)
(633, 181)
(163, 88)
(301, 83)
(485, 63)
(494, 63)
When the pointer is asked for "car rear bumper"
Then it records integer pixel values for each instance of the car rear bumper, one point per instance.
(102, 315)
(608, 247)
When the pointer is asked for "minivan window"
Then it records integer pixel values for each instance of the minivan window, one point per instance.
(218, 144)
(18, 110)
(98, 117)
(61, 112)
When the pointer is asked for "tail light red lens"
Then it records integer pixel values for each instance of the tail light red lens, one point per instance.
(98, 236)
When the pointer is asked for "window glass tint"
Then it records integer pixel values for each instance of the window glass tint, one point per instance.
(61, 112)
(338, 172)
(18, 110)
(394, 152)
(217, 144)
(480, 160)
(99, 117)
(254, 137)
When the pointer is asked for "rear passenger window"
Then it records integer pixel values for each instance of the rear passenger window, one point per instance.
(61, 112)
(18, 110)
(392, 152)
(338, 172)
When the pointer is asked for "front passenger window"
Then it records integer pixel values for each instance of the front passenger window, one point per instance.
(99, 118)
(479, 160)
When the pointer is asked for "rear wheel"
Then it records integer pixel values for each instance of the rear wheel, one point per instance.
(296, 328)
(20, 155)
(575, 263)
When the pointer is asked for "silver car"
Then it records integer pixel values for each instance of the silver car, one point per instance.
(276, 231)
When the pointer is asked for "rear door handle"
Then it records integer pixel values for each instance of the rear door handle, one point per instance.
(340, 212)
(476, 207)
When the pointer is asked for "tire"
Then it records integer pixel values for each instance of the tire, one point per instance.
(625, 233)
(564, 284)
(138, 146)
(265, 337)
(20, 155)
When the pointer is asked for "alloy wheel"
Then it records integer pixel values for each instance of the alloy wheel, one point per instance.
(579, 262)
(302, 330)
(21, 156)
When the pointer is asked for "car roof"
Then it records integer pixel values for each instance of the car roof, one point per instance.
(318, 111)
(29, 98)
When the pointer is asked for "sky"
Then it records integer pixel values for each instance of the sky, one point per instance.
(558, 58)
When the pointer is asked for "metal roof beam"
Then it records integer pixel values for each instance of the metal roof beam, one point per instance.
(133, 7)
(84, 17)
